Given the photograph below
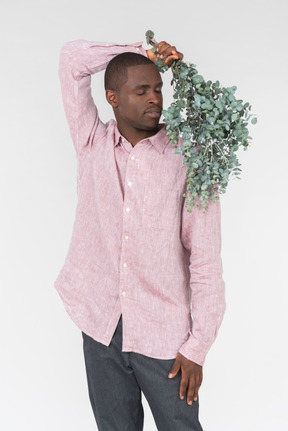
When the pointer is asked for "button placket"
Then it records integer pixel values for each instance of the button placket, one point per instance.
(126, 224)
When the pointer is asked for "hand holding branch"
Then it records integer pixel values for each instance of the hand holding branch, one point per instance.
(166, 52)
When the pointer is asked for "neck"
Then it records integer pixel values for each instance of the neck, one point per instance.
(136, 135)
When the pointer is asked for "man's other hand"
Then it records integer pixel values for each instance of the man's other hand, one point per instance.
(165, 51)
(191, 377)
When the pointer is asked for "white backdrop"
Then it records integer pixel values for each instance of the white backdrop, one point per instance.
(43, 382)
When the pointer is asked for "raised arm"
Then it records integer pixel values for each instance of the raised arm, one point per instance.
(78, 61)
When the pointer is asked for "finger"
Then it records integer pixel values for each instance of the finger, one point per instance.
(191, 391)
(197, 387)
(161, 45)
(196, 390)
(169, 60)
(178, 55)
(175, 368)
(163, 50)
(171, 51)
(167, 50)
(183, 386)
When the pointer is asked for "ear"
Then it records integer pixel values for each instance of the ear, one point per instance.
(112, 98)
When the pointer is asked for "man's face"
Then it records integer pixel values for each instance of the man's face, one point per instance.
(140, 98)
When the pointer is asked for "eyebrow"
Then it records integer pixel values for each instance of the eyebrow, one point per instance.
(160, 84)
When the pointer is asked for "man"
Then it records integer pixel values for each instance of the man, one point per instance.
(143, 277)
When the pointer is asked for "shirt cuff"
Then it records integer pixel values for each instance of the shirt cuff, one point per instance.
(195, 351)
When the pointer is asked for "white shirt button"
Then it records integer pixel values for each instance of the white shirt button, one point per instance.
(132, 157)
(137, 49)
(129, 183)
(127, 210)
(123, 293)
(125, 265)
(126, 236)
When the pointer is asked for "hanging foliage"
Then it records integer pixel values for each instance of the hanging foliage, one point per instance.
(212, 124)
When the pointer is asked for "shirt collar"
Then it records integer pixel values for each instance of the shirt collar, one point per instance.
(159, 140)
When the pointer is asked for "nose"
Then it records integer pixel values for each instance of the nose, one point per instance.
(155, 98)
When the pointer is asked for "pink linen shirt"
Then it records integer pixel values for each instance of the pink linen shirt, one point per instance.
(135, 249)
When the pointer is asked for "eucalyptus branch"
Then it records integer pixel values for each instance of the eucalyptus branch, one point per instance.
(212, 125)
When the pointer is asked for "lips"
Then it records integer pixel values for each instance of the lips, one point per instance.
(153, 112)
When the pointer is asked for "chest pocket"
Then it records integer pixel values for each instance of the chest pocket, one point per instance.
(161, 208)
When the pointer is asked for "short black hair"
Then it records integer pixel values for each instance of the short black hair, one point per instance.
(116, 71)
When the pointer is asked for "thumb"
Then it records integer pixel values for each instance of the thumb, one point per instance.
(175, 368)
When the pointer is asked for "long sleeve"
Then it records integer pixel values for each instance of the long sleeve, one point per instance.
(78, 61)
(201, 235)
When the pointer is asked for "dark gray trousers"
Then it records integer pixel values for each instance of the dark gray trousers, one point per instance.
(116, 379)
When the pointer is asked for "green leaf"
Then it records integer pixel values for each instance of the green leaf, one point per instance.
(197, 79)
